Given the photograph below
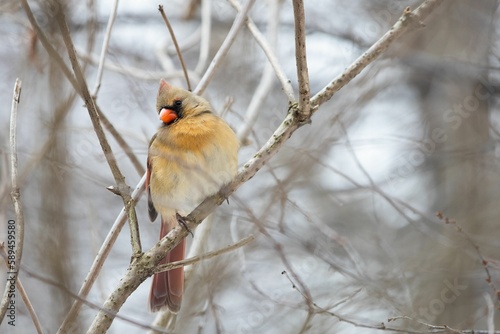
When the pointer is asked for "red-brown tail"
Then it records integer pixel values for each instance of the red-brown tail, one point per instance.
(168, 286)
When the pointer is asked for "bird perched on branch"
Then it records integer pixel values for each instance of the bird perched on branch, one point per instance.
(193, 154)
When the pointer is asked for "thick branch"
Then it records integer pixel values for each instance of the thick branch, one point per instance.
(301, 60)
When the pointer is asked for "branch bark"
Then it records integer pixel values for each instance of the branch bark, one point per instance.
(301, 60)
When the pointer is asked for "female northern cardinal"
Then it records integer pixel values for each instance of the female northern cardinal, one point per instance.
(193, 154)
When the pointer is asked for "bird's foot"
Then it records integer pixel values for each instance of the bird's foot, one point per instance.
(182, 221)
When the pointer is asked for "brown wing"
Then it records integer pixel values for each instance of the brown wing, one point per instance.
(151, 208)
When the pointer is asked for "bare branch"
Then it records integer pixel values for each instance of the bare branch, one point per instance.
(46, 44)
(224, 48)
(301, 60)
(202, 257)
(94, 117)
(57, 58)
(179, 54)
(408, 22)
(133, 71)
(104, 50)
(441, 328)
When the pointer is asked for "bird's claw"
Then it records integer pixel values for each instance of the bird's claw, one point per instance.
(182, 221)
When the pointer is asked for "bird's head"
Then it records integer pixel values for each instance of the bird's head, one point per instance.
(174, 103)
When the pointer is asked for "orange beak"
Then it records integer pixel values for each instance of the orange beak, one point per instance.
(167, 115)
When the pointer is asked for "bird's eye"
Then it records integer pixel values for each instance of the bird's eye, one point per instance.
(178, 103)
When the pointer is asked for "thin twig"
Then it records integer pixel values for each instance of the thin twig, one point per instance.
(179, 54)
(224, 48)
(301, 60)
(484, 262)
(206, 256)
(16, 235)
(134, 72)
(104, 51)
(273, 60)
(106, 148)
(24, 295)
(408, 21)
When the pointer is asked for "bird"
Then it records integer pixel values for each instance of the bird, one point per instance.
(192, 155)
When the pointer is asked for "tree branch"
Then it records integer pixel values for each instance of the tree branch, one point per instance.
(94, 117)
(408, 21)
(301, 60)
(202, 257)
(224, 48)
(57, 58)
(105, 45)
(174, 40)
